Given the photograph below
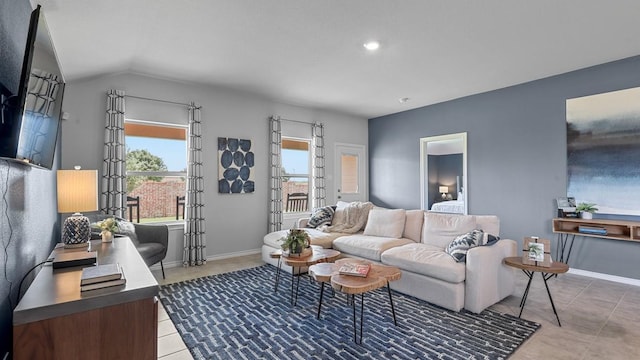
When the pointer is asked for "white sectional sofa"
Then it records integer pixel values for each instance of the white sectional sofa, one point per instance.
(416, 242)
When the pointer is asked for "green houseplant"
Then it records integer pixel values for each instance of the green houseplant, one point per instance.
(295, 241)
(108, 227)
(586, 210)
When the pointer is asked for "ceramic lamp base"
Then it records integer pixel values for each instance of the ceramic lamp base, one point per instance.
(76, 231)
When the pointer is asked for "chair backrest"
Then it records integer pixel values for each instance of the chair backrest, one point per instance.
(133, 202)
(297, 202)
(179, 202)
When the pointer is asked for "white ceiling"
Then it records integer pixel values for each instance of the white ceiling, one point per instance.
(310, 53)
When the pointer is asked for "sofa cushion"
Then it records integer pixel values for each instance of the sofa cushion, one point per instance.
(439, 229)
(385, 222)
(368, 247)
(321, 216)
(413, 225)
(425, 260)
(459, 246)
(490, 224)
(317, 238)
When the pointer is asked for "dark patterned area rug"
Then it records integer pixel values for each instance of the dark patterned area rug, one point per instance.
(239, 316)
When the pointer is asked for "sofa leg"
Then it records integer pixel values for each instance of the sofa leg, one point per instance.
(162, 267)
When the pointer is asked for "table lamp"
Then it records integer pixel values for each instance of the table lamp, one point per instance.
(444, 190)
(77, 191)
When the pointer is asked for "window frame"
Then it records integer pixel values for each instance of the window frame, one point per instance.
(160, 173)
(308, 176)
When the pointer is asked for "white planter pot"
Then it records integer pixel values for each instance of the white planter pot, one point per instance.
(586, 215)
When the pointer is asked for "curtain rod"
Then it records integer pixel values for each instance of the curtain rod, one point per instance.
(164, 101)
(297, 121)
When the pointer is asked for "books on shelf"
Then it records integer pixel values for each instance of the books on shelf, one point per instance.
(592, 230)
(355, 269)
(101, 276)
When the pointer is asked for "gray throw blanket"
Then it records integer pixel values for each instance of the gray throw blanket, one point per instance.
(350, 219)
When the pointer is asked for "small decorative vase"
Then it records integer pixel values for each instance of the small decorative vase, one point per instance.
(107, 236)
(586, 215)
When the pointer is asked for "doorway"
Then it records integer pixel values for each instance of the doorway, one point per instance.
(351, 173)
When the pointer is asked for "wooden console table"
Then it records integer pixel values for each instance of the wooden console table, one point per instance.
(568, 228)
(54, 320)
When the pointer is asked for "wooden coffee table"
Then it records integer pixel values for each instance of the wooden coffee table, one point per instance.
(318, 255)
(546, 272)
(379, 276)
(322, 273)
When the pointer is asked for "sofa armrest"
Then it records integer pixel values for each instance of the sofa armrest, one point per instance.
(487, 279)
(302, 222)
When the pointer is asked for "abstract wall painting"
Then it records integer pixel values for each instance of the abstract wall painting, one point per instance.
(235, 166)
(603, 151)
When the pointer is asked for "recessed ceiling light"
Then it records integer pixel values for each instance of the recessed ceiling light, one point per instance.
(403, 100)
(372, 45)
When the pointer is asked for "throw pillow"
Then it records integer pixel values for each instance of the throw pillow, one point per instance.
(128, 229)
(385, 222)
(438, 229)
(488, 239)
(460, 245)
(321, 216)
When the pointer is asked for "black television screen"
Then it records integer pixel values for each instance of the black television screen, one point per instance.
(29, 127)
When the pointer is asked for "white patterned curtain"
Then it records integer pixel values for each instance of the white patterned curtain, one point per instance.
(195, 244)
(275, 174)
(114, 180)
(318, 166)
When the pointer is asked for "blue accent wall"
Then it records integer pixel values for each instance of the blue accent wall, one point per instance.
(516, 157)
(29, 222)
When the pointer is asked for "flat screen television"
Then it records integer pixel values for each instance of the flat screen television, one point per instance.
(31, 119)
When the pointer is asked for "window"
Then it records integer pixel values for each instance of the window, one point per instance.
(156, 170)
(296, 174)
(349, 180)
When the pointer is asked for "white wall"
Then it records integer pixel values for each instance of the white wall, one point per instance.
(235, 224)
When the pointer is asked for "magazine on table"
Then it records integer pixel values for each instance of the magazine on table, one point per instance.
(355, 269)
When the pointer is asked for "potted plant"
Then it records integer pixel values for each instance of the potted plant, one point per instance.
(295, 242)
(586, 210)
(108, 227)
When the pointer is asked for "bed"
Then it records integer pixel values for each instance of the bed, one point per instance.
(451, 206)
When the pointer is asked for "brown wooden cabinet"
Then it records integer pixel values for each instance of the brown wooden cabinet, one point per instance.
(54, 320)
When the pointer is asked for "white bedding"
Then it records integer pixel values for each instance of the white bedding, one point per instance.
(451, 206)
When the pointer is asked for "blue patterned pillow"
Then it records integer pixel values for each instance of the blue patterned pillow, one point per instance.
(321, 216)
(459, 246)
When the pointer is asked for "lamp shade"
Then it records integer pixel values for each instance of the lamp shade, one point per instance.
(77, 190)
(443, 189)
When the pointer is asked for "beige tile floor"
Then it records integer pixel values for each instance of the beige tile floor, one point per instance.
(600, 319)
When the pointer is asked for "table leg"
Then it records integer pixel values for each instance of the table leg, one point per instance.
(573, 237)
(393, 311)
(353, 308)
(545, 278)
(275, 288)
(361, 315)
(320, 302)
(293, 270)
(295, 301)
(526, 292)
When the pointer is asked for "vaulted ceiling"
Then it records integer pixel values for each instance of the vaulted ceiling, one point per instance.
(310, 52)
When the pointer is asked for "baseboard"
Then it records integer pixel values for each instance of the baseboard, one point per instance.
(172, 264)
(614, 278)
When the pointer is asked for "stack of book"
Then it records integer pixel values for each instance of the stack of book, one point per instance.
(101, 276)
(355, 269)
(592, 230)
